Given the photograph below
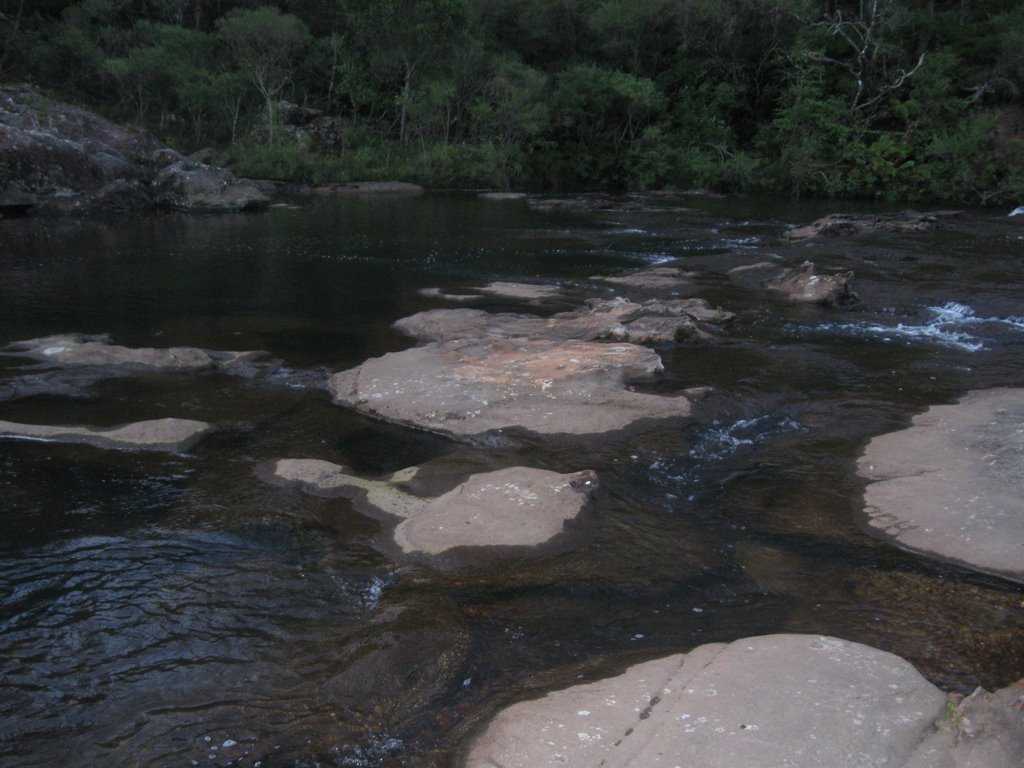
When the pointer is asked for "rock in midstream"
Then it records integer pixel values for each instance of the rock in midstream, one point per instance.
(156, 435)
(776, 700)
(510, 508)
(466, 388)
(651, 322)
(69, 363)
(532, 293)
(800, 284)
(840, 224)
(661, 280)
(952, 484)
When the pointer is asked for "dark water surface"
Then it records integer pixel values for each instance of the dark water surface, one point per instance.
(173, 610)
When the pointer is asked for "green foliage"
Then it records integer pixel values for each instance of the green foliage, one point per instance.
(894, 99)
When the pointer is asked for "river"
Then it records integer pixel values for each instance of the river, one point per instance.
(172, 609)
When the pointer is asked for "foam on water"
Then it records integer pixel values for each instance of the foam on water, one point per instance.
(949, 325)
(719, 442)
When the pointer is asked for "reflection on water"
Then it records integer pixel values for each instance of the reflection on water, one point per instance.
(173, 610)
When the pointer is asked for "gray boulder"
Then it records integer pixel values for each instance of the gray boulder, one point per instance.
(952, 484)
(777, 700)
(190, 186)
(800, 284)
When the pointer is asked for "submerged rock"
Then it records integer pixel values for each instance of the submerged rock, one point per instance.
(952, 485)
(839, 224)
(651, 322)
(800, 284)
(465, 388)
(510, 508)
(813, 702)
(157, 435)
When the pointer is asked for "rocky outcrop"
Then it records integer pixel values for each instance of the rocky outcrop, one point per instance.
(63, 159)
(652, 322)
(507, 509)
(190, 186)
(799, 284)
(466, 388)
(158, 435)
(502, 196)
(851, 224)
(952, 485)
(808, 701)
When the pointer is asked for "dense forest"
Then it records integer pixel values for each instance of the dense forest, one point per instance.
(892, 99)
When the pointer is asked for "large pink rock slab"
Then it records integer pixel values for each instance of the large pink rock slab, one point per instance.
(952, 484)
(465, 388)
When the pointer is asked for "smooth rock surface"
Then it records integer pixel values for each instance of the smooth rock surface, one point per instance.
(799, 284)
(514, 507)
(778, 700)
(659, 279)
(466, 388)
(651, 322)
(98, 350)
(156, 435)
(952, 485)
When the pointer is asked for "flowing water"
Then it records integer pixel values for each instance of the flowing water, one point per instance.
(172, 610)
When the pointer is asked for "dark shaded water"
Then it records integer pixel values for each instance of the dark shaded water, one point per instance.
(173, 610)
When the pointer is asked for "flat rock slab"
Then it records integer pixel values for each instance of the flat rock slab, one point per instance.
(532, 293)
(777, 700)
(651, 322)
(800, 284)
(157, 435)
(839, 224)
(952, 485)
(659, 279)
(465, 388)
(516, 507)
(98, 350)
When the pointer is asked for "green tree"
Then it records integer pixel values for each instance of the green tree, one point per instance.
(265, 45)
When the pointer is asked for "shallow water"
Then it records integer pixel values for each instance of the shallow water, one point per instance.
(173, 610)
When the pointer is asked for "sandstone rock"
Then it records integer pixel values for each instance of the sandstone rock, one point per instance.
(158, 435)
(500, 196)
(841, 224)
(799, 284)
(813, 702)
(467, 388)
(651, 322)
(653, 279)
(97, 350)
(952, 485)
(516, 507)
(529, 292)
(70, 363)
(190, 186)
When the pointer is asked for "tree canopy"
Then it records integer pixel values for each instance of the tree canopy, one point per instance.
(895, 99)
